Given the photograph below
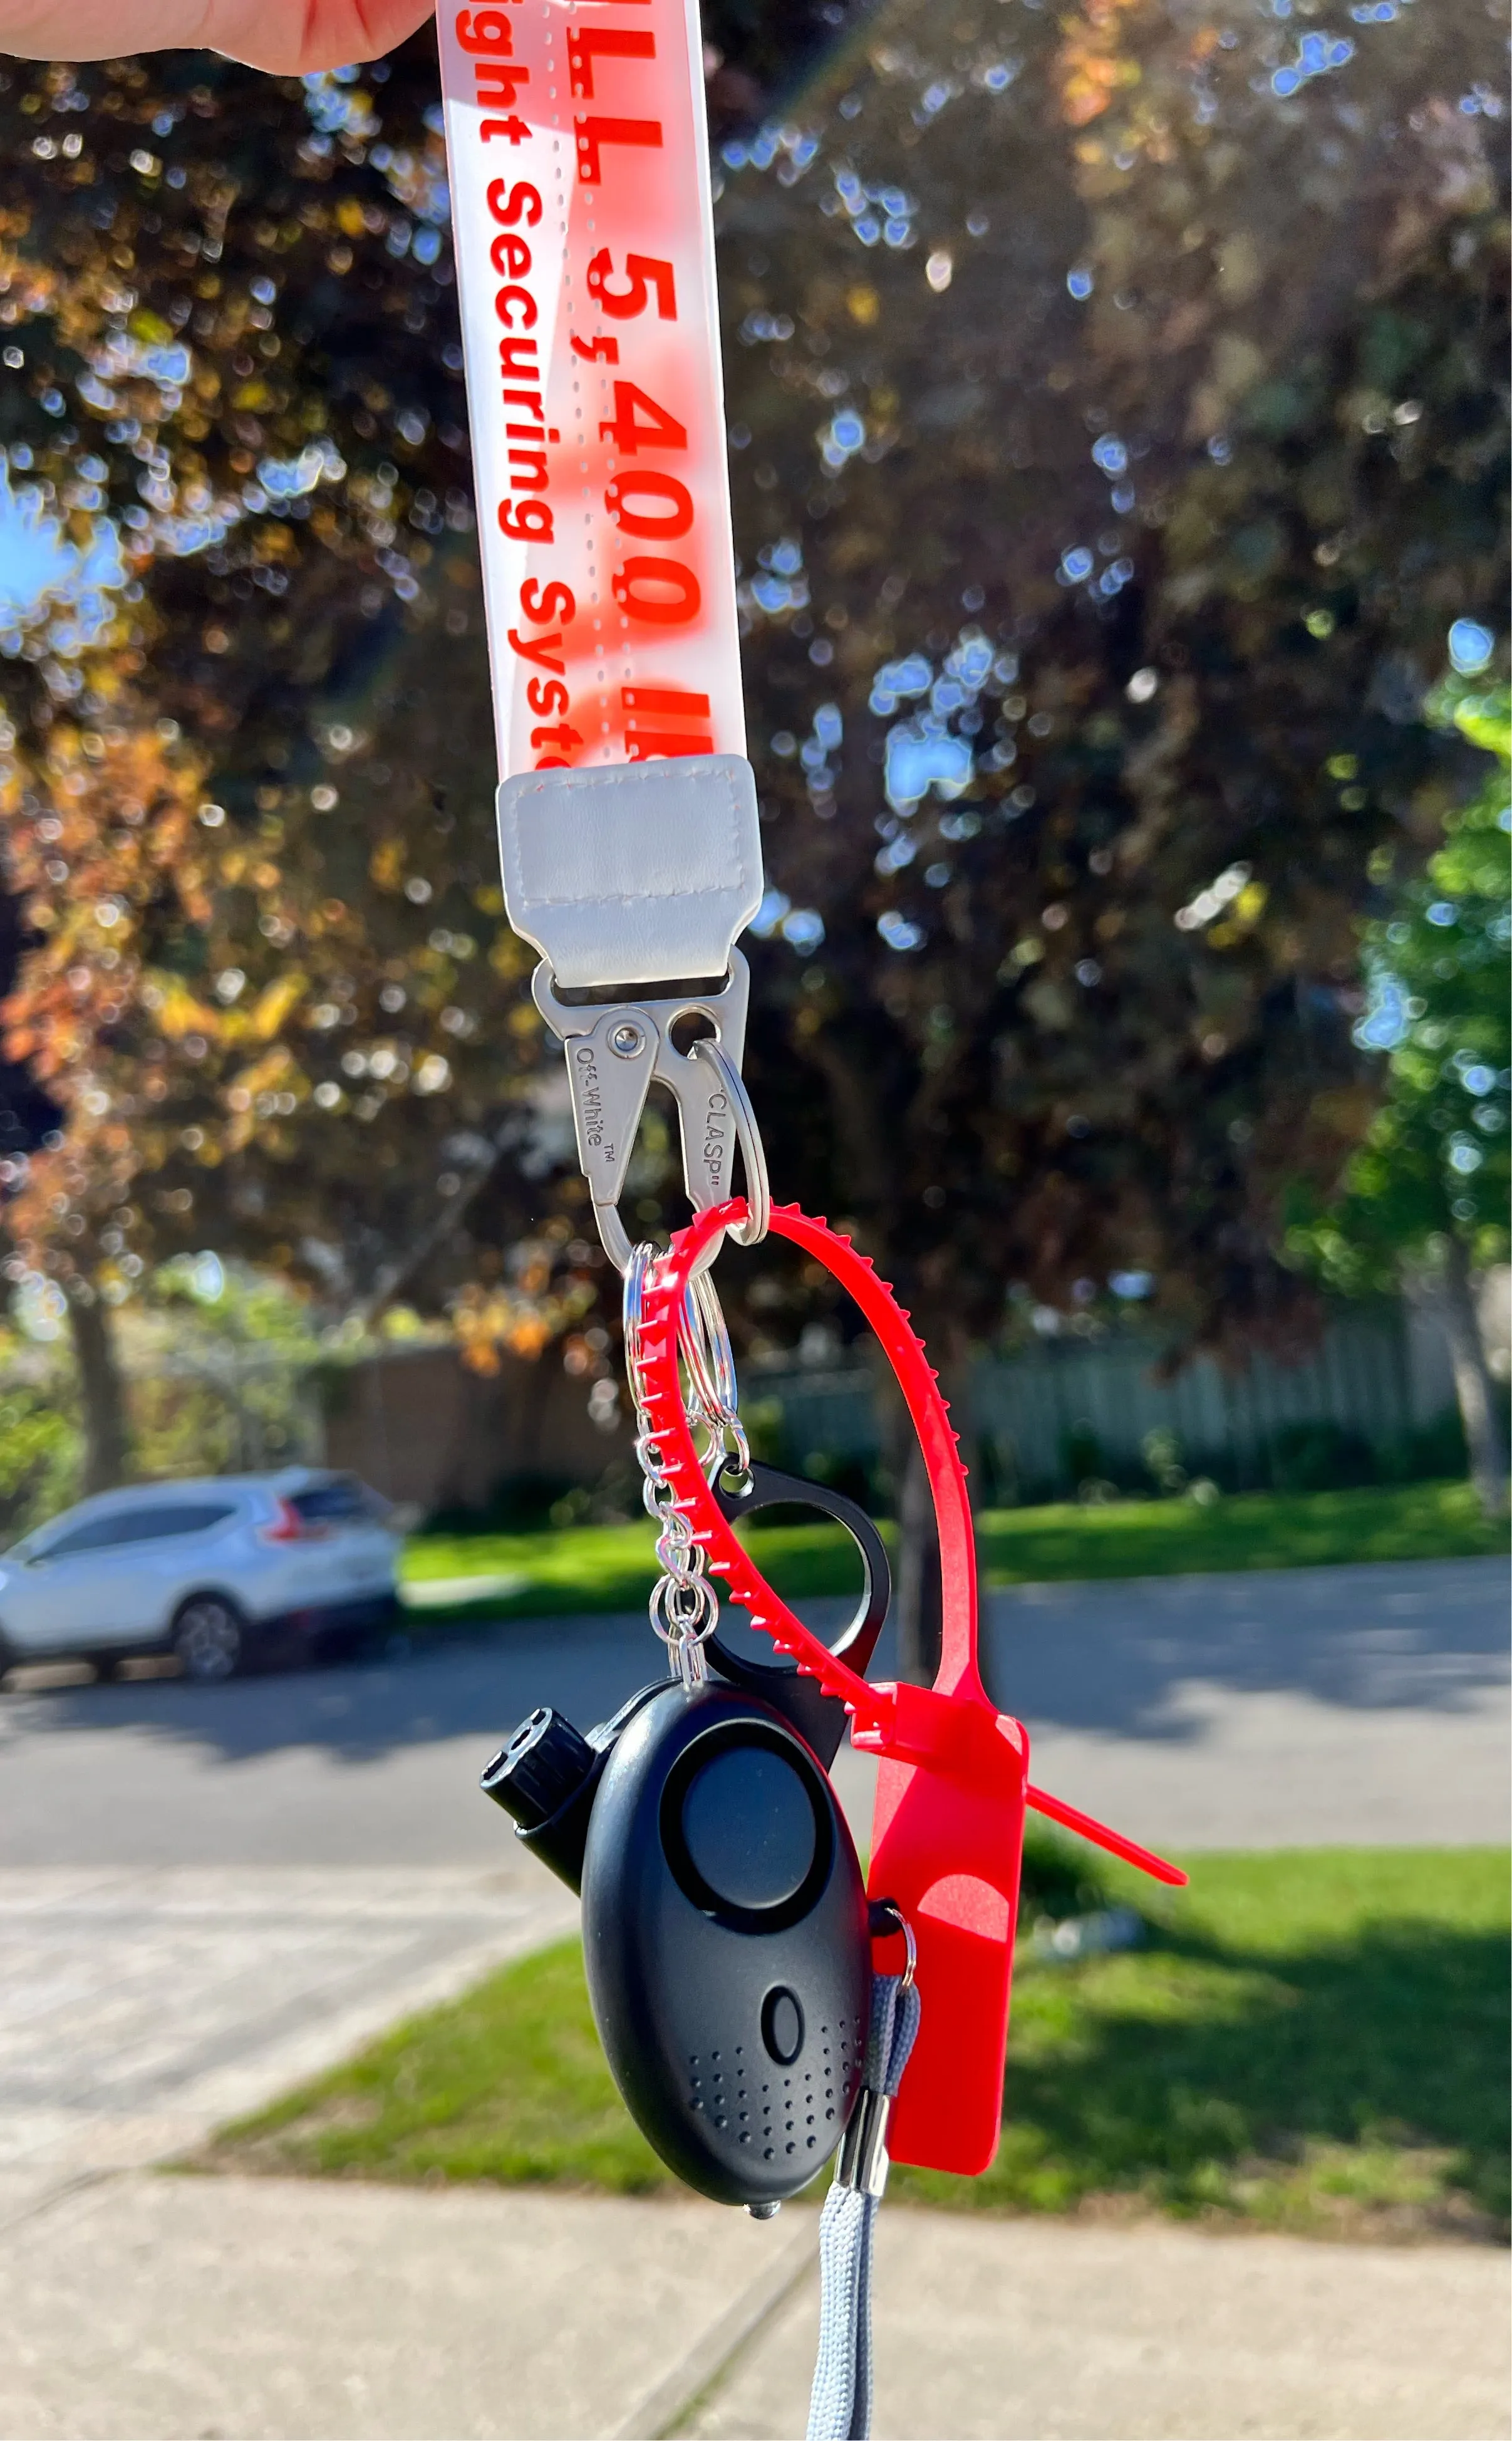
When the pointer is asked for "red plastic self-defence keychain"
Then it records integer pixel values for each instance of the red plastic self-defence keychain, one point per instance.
(947, 1833)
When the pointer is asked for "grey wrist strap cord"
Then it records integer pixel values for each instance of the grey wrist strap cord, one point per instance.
(840, 2405)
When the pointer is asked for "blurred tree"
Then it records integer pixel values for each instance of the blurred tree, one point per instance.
(247, 795)
(1118, 427)
(240, 563)
(190, 1001)
(1429, 1188)
(225, 1365)
(119, 829)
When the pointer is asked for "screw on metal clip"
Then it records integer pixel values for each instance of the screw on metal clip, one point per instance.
(614, 1052)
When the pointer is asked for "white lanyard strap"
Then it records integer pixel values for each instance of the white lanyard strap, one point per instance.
(584, 235)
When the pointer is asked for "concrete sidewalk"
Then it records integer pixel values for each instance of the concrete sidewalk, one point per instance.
(150, 2308)
(1033, 2330)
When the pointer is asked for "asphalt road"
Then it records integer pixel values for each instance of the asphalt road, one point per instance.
(1279, 1709)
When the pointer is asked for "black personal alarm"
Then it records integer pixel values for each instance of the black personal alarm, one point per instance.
(724, 1936)
(725, 1926)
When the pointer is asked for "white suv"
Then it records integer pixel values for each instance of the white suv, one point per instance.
(211, 1569)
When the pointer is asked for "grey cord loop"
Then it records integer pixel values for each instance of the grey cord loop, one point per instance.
(840, 2405)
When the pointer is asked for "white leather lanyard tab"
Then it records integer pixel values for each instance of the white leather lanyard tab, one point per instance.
(639, 873)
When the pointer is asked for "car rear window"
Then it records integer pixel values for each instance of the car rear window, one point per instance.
(346, 1502)
(158, 1523)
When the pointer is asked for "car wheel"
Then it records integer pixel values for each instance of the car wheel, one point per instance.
(209, 1640)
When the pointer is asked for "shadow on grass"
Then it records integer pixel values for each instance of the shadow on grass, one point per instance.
(1357, 2085)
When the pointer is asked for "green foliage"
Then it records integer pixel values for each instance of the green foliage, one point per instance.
(216, 1360)
(1072, 568)
(1321, 1457)
(1315, 2040)
(1435, 1160)
(220, 1363)
(234, 1304)
(40, 1456)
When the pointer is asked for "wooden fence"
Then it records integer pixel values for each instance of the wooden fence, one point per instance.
(1377, 1397)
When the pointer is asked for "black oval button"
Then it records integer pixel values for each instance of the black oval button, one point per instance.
(783, 2026)
(749, 1824)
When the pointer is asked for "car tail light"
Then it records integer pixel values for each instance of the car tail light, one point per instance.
(288, 1525)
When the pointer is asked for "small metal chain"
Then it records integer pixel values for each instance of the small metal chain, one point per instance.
(684, 1606)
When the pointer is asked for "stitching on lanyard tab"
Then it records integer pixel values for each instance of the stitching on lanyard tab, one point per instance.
(592, 888)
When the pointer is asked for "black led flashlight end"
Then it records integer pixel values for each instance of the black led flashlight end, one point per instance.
(545, 1778)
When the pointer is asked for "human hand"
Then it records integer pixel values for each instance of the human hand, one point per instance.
(287, 37)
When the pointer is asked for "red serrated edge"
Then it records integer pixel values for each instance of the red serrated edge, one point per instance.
(903, 1722)
(870, 1707)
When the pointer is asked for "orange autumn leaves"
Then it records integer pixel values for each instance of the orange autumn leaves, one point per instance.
(97, 837)
(521, 1315)
(126, 1006)
(1097, 67)
(1092, 69)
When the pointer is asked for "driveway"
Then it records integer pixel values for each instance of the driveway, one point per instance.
(139, 2009)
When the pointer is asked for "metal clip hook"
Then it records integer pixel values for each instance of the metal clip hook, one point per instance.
(613, 1054)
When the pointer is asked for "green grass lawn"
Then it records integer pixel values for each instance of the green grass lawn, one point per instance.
(610, 1567)
(1309, 2040)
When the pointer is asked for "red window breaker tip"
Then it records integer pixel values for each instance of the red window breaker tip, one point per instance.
(947, 1832)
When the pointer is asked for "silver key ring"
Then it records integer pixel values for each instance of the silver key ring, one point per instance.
(704, 1340)
(637, 1269)
(900, 1925)
(685, 1613)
